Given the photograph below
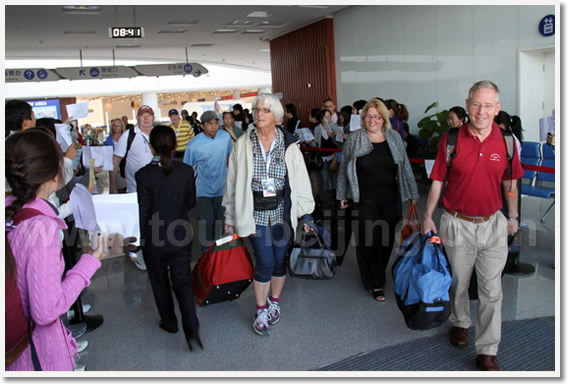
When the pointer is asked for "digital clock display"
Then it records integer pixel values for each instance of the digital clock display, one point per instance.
(125, 32)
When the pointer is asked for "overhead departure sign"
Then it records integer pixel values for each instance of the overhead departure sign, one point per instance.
(90, 73)
(176, 69)
(126, 32)
(26, 75)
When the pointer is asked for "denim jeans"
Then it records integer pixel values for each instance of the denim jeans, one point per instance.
(328, 177)
(270, 245)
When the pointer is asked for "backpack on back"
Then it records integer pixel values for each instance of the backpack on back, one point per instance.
(21, 328)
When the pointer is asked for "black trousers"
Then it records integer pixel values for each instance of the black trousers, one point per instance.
(376, 232)
(180, 273)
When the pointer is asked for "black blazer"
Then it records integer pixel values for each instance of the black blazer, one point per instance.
(164, 203)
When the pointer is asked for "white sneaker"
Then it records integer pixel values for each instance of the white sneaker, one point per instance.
(82, 345)
(260, 324)
(273, 312)
(80, 367)
(138, 260)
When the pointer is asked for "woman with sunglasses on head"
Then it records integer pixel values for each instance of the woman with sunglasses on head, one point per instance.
(267, 191)
(376, 175)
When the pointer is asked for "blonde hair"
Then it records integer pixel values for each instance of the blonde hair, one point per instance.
(381, 108)
(122, 127)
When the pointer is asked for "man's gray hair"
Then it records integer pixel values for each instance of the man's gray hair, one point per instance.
(271, 102)
(483, 84)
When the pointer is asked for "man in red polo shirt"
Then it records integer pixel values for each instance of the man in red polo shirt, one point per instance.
(472, 227)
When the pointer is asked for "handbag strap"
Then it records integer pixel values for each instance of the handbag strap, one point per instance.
(412, 213)
(315, 229)
(33, 351)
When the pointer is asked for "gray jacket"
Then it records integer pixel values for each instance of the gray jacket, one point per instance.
(358, 144)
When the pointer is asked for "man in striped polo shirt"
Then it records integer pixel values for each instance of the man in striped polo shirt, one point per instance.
(184, 132)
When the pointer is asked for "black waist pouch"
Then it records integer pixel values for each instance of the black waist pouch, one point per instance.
(270, 203)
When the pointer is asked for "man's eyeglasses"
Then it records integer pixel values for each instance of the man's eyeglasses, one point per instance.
(477, 106)
(264, 110)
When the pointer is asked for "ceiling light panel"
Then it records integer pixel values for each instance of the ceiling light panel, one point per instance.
(172, 31)
(79, 32)
(126, 45)
(182, 23)
(238, 23)
(271, 24)
(254, 31)
(202, 45)
(259, 14)
(225, 30)
(82, 9)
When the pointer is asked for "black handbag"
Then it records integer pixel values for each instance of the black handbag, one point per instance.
(313, 160)
(317, 263)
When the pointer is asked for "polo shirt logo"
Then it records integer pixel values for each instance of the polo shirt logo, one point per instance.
(495, 157)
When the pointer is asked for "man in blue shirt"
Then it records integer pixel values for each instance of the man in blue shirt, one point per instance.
(208, 154)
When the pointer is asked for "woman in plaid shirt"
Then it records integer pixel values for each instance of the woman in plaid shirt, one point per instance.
(268, 189)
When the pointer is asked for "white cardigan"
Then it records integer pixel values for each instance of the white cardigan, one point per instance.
(238, 198)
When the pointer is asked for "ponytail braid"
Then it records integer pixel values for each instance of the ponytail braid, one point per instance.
(33, 158)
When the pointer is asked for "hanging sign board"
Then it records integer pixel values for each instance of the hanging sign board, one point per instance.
(29, 75)
(177, 69)
(87, 73)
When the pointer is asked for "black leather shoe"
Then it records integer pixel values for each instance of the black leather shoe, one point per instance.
(487, 363)
(167, 329)
(458, 336)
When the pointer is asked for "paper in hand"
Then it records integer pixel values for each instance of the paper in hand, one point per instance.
(83, 208)
(118, 213)
(101, 154)
(355, 122)
(78, 111)
(304, 134)
(63, 136)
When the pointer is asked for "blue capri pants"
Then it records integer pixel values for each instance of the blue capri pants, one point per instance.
(270, 244)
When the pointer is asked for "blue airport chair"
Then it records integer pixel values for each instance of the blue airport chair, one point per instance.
(530, 154)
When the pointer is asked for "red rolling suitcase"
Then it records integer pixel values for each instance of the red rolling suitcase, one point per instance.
(223, 272)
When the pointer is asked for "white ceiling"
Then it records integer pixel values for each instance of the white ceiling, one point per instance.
(38, 33)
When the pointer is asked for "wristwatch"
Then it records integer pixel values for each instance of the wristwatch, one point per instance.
(513, 218)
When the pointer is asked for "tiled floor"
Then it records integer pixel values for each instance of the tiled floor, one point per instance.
(322, 321)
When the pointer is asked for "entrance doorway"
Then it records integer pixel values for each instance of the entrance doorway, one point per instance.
(536, 89)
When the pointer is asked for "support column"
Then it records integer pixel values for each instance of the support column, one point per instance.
(151, 99)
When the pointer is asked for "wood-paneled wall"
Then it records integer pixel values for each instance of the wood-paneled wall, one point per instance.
(303, 67)
(63, 102)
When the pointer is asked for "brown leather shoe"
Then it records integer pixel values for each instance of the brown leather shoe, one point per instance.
(487, 363)
(458, 336)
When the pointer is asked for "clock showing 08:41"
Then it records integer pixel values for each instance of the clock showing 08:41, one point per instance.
(125, 32)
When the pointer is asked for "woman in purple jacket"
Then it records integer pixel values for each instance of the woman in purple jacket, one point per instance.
(33, 170)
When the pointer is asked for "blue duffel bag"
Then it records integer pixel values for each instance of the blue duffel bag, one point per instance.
(421, 281)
